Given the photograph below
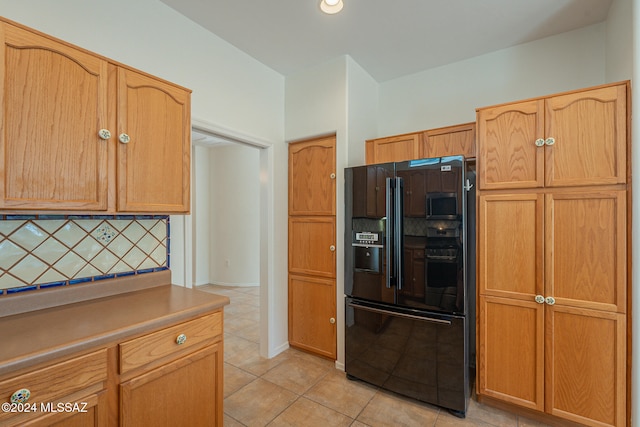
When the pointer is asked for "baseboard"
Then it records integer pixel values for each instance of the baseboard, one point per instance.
(237, 285)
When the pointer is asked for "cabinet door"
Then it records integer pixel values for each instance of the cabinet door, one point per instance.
(415, 190)
(187, 392)
(53, 102)
(93, 414)
(585, 249)
(507, 153)
(312, 183)
(154, 166)
(510, 245)
(590, 133)
(394, 148)
(450, 141)
(312, 248)
(511, 351)
(586, 366)
(312, 313)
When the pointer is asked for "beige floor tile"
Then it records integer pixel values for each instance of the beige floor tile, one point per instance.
(296, 374)
(252, 333)
(255, 364)
(235, 379)
(230, 422)
(236, 346)
(526, 422)
(240, 309)
(336, 392)
(252, 290)
(386, 409)
(490, 415)
(233, 324)
(447, 420)
(306, 413)
(312, 358)
(258, 403)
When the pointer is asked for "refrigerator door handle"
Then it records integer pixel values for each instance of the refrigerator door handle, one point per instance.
(398, 215)
(396, 314)
(388, 232)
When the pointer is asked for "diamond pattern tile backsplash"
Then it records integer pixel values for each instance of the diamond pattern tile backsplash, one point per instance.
(46, 251)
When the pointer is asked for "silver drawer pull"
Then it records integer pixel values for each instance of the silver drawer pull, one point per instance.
(21, 396)
(182, 338)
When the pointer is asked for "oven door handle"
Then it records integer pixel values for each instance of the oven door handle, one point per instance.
(396, 314)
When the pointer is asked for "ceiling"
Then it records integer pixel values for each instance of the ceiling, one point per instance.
(389, 39)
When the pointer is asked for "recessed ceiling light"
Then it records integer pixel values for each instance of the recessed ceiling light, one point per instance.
(331, 6)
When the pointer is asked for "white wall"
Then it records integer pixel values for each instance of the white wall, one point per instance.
(362, 111)
(450, 94)
(619, 41)
(234, 237)
(201, 212)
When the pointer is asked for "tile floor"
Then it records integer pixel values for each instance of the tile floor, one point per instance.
(299, 389)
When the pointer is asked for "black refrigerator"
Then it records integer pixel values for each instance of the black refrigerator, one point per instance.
(410, 278)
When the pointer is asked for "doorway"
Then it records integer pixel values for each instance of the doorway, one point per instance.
(205, 239)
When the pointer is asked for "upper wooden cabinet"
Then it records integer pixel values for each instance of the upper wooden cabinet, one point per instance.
(572, 139)
(53, 102)
(312, 168)
(456, 140)
(153, 167)
(450, 141)
(393, 149)
(83, 133)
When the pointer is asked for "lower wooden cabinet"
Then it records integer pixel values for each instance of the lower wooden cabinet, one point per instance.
(179, 393)
(312, 314)
(552, 302)
(168, 377)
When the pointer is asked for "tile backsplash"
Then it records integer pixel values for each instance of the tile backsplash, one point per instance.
(43, 251)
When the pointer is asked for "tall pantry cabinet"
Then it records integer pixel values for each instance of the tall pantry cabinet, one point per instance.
(553, 253)
(312, 246)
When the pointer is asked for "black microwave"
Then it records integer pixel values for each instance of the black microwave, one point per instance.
(442, 206)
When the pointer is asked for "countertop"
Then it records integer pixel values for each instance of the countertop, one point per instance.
(54, 324)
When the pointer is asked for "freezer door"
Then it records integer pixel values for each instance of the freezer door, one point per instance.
(368, 231)
(414, 354)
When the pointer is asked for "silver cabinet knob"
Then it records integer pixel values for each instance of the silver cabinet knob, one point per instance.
(104, 134)
(124, 138)
(539, 142)
(332, 320)
(332, 248)
(539, 299)
(21, 396)
(182, 338)
(332, 176)
(550, 141)
(550, 300)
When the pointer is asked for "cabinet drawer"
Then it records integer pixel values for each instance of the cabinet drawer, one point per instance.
(165, 343)
(54, 382)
